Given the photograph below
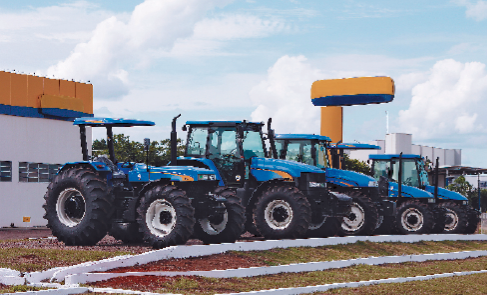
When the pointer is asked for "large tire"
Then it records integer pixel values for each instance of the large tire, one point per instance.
(387, 225)
(282, 212)
(165, 216)
(226, 228)
(414, 217)
(128, 233)
(324, 227)
(473, 221)
(456, 218)
(363, 217)
(439, 214)
(78, 206)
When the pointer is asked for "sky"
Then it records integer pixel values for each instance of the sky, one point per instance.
(251, 59)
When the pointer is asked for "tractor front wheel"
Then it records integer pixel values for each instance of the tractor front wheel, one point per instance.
(78, 207)
(282, 212)
(324, 227)
(414, 217)
(363, 218)
(473, 221)
(165, 216)
(226, 227)
(456, 218)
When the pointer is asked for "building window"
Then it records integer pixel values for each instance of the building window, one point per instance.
(5, 171)
(37, 172)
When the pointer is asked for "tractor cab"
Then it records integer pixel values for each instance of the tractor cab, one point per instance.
(305, 148)
(228, 145)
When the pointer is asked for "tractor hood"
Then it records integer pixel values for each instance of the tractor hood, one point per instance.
(407, 191)
(349, 178)
(174, 173)
(266, 169)
(445, 194)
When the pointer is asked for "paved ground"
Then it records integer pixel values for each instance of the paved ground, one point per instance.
(24, 233)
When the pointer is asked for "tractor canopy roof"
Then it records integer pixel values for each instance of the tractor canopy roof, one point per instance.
(104, 122)
(354, 146)
(221, 123)
(394, 156)
(302, 136)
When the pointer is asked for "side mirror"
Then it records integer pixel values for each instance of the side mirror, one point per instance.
(146, 144)
(184, 128)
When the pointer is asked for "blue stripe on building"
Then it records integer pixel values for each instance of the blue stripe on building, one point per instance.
(46, 113)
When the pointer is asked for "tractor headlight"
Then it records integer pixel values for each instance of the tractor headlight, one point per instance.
(465, 203)
(317, 184)
(373, 183)
(431, 200)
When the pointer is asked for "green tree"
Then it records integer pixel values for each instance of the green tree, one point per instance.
(133, 151)
(356, 165)
(461, 185)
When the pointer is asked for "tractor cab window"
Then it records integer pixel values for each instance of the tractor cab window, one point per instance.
(223, 143)
(197, 142)
(382, 168)
(423, 175)
(321, 156)
(410, 174)
(299, 151)
(252, 144)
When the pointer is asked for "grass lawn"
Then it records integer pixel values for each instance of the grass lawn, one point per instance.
(359, 250)
(28, 260)
(199, 285)
(471, 284)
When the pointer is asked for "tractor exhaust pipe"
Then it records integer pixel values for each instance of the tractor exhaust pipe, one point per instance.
(271, 135)
(399, 183)
(174, 142)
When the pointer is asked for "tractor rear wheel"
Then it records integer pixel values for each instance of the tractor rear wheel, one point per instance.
(363, 217)
(473, 221)
(78, 207)
(165, 216)
(439, 214)
(223, 228)
(414, 217)
(282, 212)
(456, 218)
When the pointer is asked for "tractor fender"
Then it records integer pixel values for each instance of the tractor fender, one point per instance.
(263, 186)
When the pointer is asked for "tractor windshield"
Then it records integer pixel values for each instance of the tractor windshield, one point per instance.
(381, 168)
(410, 175)
(299, 151)
(252, 144)
(423, 174)
(321, 156)
(196, 146)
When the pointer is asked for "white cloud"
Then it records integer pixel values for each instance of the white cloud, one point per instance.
(115, 42)
(477, 11)
(285, 96)
(448, 103)
(237, 27)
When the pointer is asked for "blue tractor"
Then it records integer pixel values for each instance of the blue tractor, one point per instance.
(416, 209)
(459, 216)
(283, 199)
(368, 208)
(137, 202)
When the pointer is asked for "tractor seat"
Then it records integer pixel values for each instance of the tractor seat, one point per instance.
(116, 173)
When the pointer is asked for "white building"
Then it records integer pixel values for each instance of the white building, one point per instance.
(37, 136)
(396, 143)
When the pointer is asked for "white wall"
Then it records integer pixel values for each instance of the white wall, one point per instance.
(39, 141)
(398, 143)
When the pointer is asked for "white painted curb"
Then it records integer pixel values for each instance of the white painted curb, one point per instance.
(60, 291)
(10, 277)
(269, 270)
(321, 288)
(122, 291)
(205, 250)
